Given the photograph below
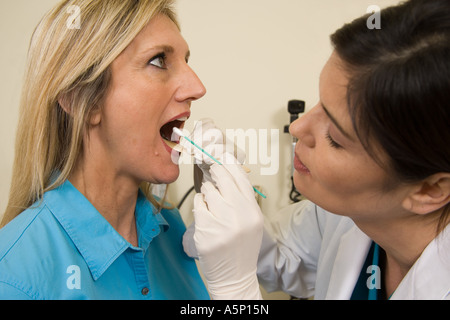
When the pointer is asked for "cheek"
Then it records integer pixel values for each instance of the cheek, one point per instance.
(334, 174)
(340, 182)
(130, 132)
(134, 109)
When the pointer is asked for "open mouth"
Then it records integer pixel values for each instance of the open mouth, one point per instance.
(166, 131)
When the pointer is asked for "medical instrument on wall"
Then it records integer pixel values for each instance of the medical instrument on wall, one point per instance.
(181, 134)
(295, 107)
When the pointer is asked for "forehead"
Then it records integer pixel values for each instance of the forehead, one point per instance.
(160, 31)
(333, 91)
(333, 81)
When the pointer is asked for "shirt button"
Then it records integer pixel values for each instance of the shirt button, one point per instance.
(145, 291)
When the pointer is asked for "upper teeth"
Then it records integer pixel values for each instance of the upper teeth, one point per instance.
(182, 119)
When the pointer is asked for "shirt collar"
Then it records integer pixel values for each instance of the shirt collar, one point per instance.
(429, 277)
(97, 241)
(148, 221)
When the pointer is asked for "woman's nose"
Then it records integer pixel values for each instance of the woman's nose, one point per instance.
(303, 128)
(191, 88)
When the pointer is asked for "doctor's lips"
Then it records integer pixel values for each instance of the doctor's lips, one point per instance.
(300, 167)
(166, 130)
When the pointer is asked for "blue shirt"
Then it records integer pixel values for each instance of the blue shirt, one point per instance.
(63, 248)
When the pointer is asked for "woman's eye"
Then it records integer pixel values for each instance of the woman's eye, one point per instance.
(158, 61)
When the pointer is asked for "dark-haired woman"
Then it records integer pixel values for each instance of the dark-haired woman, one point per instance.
(374, 151)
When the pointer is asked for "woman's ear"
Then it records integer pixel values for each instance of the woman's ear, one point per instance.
(96, 116)
(66, 104)
(429, 195)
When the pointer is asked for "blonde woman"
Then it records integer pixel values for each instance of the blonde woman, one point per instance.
(99, 97)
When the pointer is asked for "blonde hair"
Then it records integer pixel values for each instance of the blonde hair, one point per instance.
(69, 63)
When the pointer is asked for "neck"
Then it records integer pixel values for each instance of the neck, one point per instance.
(403, 240)
(112, 195)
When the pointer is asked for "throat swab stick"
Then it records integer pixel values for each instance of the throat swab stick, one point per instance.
(181, 134)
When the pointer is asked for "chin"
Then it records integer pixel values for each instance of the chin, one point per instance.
(168, 176)
(326, 201)
(299, 184)
(306, 189)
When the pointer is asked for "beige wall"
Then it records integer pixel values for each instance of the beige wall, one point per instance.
(17, 21)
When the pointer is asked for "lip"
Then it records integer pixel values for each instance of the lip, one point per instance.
(300, 167)
(187, 115)
(168, 149)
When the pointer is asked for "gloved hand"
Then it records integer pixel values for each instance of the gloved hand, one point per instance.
(228, 233)
(211, 139)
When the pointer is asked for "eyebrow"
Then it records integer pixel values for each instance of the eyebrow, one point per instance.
(336, 123)
(166, 49)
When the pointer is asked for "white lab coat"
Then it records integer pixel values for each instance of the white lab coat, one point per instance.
(308, 252)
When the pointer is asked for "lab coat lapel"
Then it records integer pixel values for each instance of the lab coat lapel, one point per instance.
(350, 257)
(429, 277)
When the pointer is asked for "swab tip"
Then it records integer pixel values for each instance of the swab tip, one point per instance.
(178, 132)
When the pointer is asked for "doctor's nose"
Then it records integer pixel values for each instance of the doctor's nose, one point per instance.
(303, 128)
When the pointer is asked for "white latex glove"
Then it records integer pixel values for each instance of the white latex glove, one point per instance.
(206, 135)
(228, 234)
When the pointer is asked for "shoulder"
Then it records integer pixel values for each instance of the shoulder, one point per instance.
(31, 248)
(19, 252)
(429, 277)
(19, 228)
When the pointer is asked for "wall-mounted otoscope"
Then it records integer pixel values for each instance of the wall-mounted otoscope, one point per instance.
(295, 107)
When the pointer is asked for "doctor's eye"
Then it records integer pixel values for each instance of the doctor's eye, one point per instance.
(159, 61)
(333, 143)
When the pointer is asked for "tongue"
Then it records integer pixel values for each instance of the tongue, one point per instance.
(173, 145)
